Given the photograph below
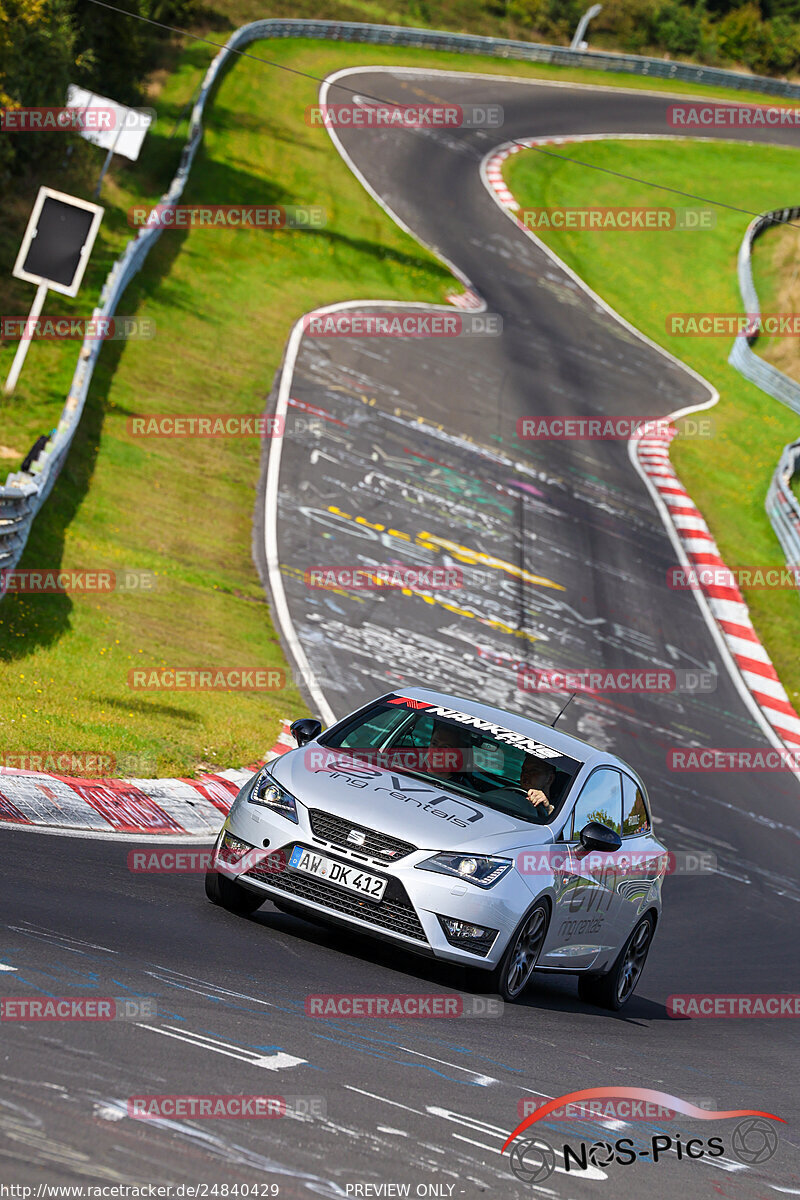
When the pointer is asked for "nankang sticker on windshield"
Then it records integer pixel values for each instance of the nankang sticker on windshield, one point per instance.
(508, 736)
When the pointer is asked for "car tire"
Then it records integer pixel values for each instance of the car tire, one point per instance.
(513, 973)
(614, 989)
(230, 895)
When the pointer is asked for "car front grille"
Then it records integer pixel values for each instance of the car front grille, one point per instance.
(336, 830)
(394, 912)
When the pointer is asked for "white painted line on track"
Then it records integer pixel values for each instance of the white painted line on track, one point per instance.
(75, 945)
(270, 1062)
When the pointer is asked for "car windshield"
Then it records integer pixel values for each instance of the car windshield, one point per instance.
(503, 770)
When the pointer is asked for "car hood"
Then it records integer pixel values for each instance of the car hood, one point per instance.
(423, 813)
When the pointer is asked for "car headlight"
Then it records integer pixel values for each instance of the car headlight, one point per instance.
(481, 869)
(269, 793)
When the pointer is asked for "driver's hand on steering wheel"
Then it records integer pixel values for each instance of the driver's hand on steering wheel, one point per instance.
(535, 797)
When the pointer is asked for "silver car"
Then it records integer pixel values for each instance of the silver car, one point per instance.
(457, 831)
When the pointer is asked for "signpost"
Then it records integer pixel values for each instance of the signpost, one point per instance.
(54, 253)
(117, 129)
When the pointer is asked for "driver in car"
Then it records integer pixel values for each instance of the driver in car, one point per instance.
(445, 737)
(536, 780)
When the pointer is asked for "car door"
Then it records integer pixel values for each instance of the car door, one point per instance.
(642, 858)
(586, 915)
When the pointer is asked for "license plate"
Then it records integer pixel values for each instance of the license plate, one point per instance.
(371, 887)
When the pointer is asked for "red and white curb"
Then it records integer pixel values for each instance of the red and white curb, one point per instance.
(468, 300)
(494, 163)
(177, 808)
(494, 174)
(725, 603)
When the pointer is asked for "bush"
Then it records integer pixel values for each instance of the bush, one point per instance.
(38, 58)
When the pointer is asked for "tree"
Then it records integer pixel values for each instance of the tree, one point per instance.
(38, 58)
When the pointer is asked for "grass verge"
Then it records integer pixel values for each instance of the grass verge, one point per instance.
(223, 302)
(649, 275)
(776, 274)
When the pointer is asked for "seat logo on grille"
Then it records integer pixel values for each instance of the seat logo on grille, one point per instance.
(357, 837)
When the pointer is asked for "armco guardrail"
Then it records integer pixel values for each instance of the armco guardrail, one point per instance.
(762, 373)
(782, 505)
(24, 493)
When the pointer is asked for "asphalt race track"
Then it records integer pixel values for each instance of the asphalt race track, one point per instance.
(419, 437)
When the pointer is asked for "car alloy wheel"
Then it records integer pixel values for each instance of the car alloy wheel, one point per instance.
(615, 988)
(634, 960)
(519, 960)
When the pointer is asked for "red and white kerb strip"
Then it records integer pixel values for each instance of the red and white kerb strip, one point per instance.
(726, 603)
(494, 174)
(468, 300)
(167, 807)
(494, 164)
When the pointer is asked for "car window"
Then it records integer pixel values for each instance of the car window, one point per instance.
(476, 753)
(466, 755)
(366, 732)
(600, 800)
(635, 815)
(418, 731)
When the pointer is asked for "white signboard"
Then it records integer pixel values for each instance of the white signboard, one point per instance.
(113, 126)
(58, 241)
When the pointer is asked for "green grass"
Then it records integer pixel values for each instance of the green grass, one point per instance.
(647, 275)
(223, 303)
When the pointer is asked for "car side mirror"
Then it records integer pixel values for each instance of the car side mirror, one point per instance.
(595, 836)
(305, 730)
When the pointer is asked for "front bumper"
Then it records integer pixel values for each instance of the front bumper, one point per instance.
(413, 902)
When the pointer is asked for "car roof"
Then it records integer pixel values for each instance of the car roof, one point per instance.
(564, 743)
